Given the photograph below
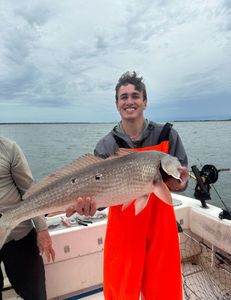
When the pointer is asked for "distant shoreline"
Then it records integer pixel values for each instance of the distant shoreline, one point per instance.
(41, 123)
(48, 123)
(217, 120)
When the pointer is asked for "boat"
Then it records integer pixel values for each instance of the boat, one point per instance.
(205, 243)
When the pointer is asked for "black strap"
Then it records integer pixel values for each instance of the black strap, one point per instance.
(164, 135)
(120, 142)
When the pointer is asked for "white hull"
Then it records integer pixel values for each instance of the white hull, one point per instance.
(79, 260)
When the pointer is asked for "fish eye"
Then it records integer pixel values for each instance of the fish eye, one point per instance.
(98, 176)
(73, 180)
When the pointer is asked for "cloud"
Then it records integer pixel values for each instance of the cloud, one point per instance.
(69, 54)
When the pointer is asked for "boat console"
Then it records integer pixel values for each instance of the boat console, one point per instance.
(78, 242)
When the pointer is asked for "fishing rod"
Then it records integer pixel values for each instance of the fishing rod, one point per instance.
(205, 178)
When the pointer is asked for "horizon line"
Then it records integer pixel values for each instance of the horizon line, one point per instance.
(108, 122)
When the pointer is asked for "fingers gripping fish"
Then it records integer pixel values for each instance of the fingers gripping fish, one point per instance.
(117, 180)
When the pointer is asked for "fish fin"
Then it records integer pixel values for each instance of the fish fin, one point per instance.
(121, 152)
(78, 164)
(161, 190)
(124, 151)
(125, 205)
(141, 203)
(170, 165)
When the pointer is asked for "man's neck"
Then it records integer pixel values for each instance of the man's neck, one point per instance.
(132, 128)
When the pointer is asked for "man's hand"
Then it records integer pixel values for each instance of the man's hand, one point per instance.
(176, 185)
(83, 206)
(44, 243)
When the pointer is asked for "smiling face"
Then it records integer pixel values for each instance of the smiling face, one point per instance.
(130, 103)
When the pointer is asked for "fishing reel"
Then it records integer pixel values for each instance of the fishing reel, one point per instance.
(204, 178)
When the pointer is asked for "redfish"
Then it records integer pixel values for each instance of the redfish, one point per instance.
(117, 180)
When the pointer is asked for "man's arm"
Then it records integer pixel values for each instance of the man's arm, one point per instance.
(177, 149)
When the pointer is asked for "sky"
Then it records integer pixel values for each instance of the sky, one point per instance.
(60, 60)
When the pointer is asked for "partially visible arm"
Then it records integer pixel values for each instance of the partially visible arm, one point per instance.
(44, 243)
(20, 170)
(176, 185)
(177, 149)
(23, 179)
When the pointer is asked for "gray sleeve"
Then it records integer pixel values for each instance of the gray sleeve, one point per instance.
(20, 170)
(106, 146)
(176, 147)
(23, 179)
(40, 223)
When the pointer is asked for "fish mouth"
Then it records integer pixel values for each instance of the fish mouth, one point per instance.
(165, 176)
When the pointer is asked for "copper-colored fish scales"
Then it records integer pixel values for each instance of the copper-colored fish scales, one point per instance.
(109, 182)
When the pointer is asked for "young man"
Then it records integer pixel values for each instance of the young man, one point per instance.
(142, 251)
(21, 253)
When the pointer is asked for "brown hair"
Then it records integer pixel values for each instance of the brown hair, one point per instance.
(131, 78)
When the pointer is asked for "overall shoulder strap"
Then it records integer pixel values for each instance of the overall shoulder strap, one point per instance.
(120, 142)
(164, 135)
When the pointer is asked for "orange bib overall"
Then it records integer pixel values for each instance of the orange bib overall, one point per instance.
(141, 255)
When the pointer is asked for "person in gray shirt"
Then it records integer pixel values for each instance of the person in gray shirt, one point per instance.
(21, 253)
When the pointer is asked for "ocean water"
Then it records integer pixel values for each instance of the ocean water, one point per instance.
(51, 146)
